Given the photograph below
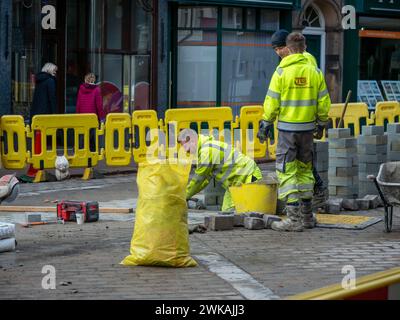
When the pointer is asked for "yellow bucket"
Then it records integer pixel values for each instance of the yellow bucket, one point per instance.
(261, 196)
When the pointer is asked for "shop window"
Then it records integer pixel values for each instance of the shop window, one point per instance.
(269, 20)
(232, 18)
(114, 42)
(251, 19)
(197, 68)
(197, 17)
(247, 67)
(228, 66)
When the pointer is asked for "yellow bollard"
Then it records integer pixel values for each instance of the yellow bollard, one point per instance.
(87, 174)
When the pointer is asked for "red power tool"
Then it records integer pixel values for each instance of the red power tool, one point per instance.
(66, 210)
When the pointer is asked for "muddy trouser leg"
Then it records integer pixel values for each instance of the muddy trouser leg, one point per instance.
(306, 178)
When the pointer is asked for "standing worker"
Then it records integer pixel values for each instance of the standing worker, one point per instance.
(216, 159)
(298, 96)
(278, 40)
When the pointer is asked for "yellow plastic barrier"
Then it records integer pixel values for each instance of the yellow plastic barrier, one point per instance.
(76, 133)
(146, 136)
(118, 139)
(13, 149)
(379, 286)
(357, 115)
(387, 112)
(202, 120)
(249, 125)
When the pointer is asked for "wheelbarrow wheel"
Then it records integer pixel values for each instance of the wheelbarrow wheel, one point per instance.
(388, 219)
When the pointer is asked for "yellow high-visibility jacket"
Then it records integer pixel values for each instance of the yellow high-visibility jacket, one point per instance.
(220, 160)
(297, 95)
(310, 58)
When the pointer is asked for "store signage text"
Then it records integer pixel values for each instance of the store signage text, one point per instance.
(349, 17)
(49, 18)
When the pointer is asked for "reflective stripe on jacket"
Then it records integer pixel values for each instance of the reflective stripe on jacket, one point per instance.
(218, 159)
(297, 95)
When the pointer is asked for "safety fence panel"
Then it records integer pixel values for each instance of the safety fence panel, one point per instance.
(387, 112)
(118, 133)
(13, 147)
(356, 116)
(208, 121)
(146, 135)
(250, 117)
(73, 135)
(378, 286)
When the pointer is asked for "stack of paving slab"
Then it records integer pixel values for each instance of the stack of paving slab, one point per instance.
(343, 164)
(7, 237)
(372, 152)
(214, 195)
(225, 221)
(321, 160)
(393, 134)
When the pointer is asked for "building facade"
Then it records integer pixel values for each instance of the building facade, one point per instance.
(161, 54)
(111, 38)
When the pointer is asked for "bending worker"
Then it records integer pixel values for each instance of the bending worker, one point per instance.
(278, 41)
(216, 159)
(298, 96)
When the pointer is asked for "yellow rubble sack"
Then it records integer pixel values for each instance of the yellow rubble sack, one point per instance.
(161, 236)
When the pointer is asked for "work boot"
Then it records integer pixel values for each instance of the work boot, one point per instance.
(292, 223)
(320, 198)
(307, 217)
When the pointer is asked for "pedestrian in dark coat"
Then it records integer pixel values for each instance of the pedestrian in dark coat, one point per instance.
(44, 98)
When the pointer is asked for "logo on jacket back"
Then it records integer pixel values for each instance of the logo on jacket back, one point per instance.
(301, 82)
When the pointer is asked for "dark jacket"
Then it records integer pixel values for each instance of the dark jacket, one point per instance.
(44, 98)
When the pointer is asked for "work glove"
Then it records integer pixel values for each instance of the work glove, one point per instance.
(265, 130)
(319, 132)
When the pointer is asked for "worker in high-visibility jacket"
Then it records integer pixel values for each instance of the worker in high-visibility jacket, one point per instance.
(299, 98)
(216, 159)
(278, 41)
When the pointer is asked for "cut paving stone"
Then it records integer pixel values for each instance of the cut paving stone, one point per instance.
(363, 204)
(350, 204)
(342, 143)
(342, 153)
(238, 220)
(334, 206)
(372, 158)
(254, 223)
(268, 219)
(374, 140)
(371, 149)
(33, 217)
(374, 201)
(339, 133)
(393, 128)
(254, 215)
(219, 222)
(373, 130)
(343, 172)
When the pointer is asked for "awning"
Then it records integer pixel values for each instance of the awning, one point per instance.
(278, 4)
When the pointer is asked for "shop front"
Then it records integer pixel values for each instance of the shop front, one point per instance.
(372, 52)
(221, 53)
(111, 38)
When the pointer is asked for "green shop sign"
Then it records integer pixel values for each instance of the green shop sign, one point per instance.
(382, 6)
(279, 4)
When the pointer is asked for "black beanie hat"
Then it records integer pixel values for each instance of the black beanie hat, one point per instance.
(278, 39)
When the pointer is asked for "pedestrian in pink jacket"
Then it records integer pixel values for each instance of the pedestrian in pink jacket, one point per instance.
(90, 99)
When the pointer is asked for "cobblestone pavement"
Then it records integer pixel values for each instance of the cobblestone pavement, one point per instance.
(239, 264)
